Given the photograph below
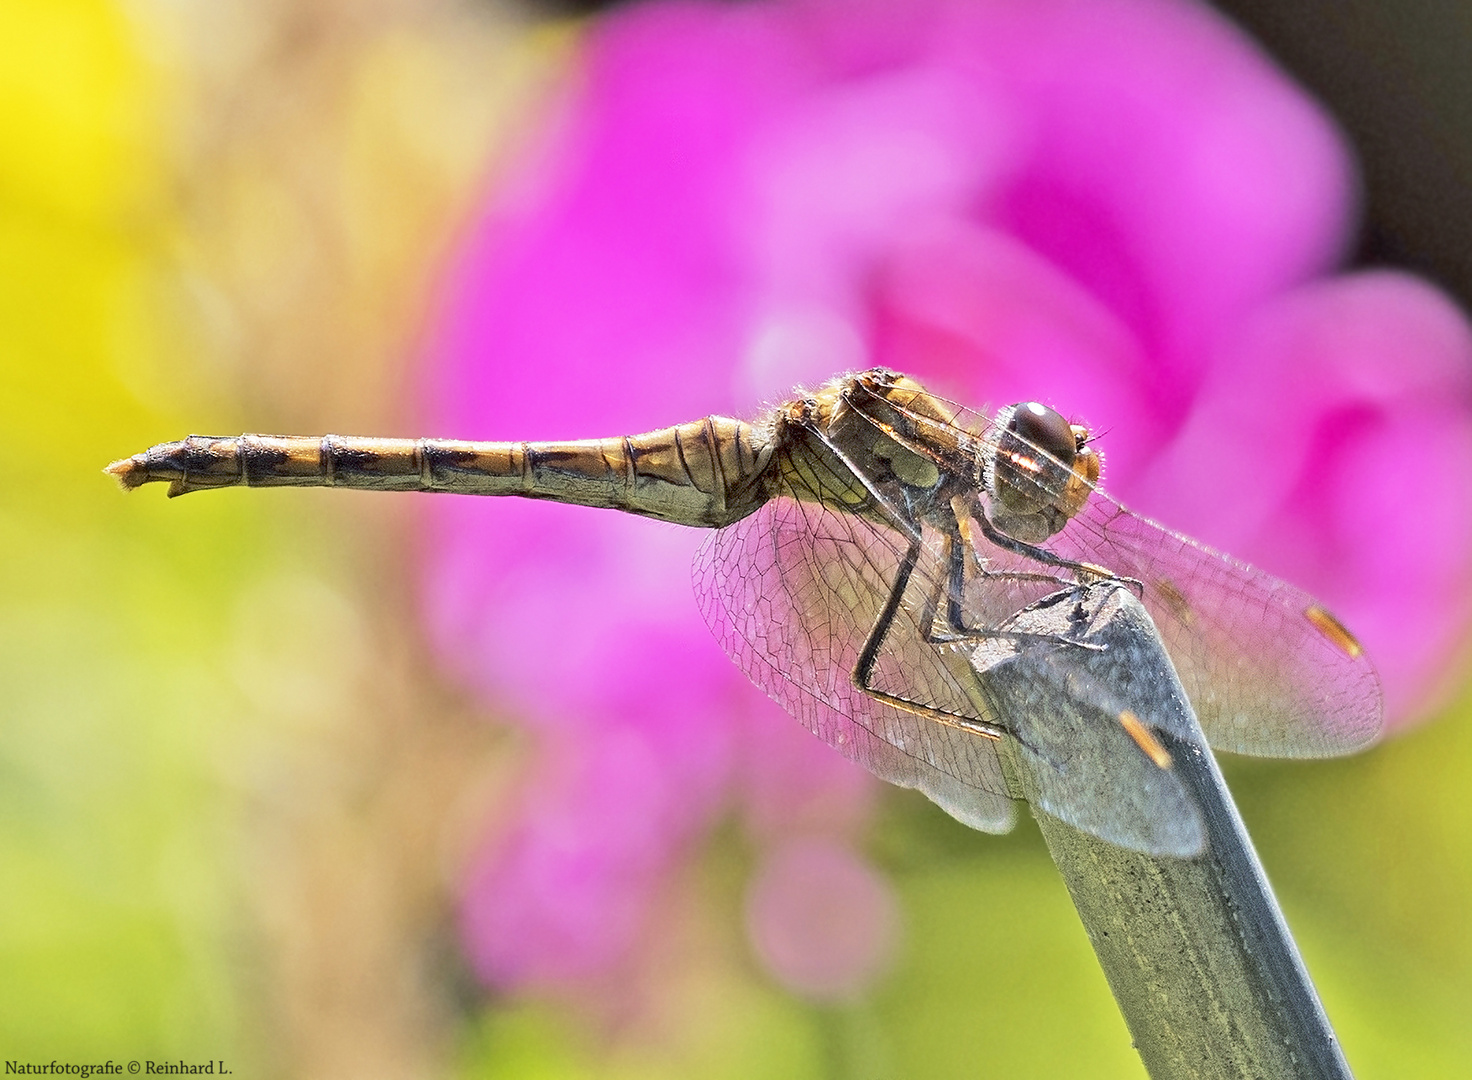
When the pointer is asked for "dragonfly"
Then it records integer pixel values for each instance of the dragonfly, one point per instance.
(867, 538)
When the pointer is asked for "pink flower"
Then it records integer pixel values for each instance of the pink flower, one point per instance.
(820, 919)
(1115, 206)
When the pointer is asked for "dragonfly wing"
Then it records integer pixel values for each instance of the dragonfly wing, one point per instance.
(1071, 715)
(1268, 670)
(791, 593)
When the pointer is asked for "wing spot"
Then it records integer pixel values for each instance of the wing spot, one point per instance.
(1337, 633)
(1145, 739)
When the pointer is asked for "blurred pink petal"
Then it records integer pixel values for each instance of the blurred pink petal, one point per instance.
(792, 785)
(1346, 406)
(562, 895)
(1171, 168)
(988, 319)
(822, 921)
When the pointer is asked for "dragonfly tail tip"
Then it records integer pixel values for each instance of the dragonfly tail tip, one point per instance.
(128, 473)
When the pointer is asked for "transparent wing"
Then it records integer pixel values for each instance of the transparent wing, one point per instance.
(791, 593)
(1269, 671)
(1082, 764)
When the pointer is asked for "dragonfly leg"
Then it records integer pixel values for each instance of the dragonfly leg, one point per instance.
(1032, 551)
(957, 629)
(864, 669)
(953, 587)
(1084, 572)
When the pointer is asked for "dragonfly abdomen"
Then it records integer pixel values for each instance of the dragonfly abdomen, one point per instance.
(704, 473)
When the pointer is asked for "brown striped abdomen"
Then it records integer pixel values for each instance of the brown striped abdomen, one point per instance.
(706, 473)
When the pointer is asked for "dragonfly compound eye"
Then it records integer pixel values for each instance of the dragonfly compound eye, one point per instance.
(1035, 485)
(1045, 429)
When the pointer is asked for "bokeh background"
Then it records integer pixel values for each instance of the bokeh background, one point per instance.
(246, 794)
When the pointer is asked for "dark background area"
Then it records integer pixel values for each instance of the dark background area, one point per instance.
(1398, 76)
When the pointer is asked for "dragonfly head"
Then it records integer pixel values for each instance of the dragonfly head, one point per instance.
(1041, 471)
